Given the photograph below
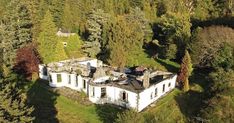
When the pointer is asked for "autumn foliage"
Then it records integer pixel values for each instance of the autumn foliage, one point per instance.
(27, 60)
(185, 72)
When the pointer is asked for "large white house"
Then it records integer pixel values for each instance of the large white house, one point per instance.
(104, 84)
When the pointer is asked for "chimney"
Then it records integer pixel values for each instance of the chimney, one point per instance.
(146, 79)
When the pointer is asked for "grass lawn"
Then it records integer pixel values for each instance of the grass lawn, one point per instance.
(166, 109)
(51, 107)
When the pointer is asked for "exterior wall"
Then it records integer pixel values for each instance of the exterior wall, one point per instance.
(41, 75)
(76, 83)
(113, 96)
(145, 96)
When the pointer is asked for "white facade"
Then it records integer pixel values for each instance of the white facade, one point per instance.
(100, 92)
(154, 92)
(113, 96)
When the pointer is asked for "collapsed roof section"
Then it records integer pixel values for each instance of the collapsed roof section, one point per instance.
(101, 75)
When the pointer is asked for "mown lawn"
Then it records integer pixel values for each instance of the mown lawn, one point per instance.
(51, 107)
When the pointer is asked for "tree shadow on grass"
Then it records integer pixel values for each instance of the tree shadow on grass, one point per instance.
(200, 77)
(108, 112)
(168, 66)
(43, 101)
(190, 103)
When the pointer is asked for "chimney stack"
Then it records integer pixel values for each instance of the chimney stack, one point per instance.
(146, 79)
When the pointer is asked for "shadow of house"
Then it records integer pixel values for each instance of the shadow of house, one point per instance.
(108, 112)
(43, 101)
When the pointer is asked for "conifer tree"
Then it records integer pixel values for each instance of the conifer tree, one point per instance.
(34, 12)
(47, 38)
(50, 48)
(56, 8)
(73, 48)
(185, 72)
(67, 17)
(13, 106)
(59, 53)
(16, 30)
(96, 21)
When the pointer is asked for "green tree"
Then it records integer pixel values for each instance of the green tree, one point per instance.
(219, 107)
(16, 30)
(129, 116)
(13, 107)
(67, 21)
(33, 10)
(171, 51)
(47, 39)
(202, 9)
(73, 48)
(59, 53)
(176, 30)
(56, 8)
(96, 21)
(127, 36)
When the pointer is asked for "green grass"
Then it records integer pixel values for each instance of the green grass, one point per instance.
(144, 60)
(51, 107)
(70, 111)
(167, 109)
(169, 65)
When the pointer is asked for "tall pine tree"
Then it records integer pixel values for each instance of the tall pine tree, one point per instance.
(49, 45)
(16, 30)
(13, 107)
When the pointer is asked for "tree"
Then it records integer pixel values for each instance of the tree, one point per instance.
(126, 36)
(73, 48)
(171, 51)
(96, 21)
(136, 15)
(56, 8)
(48, 40)
(207, 43)
(16, 28)
(185, 72)
(59, 53)
(27, 61)
(219, 106)
(176, 30)
(67, 17)
(224, 58)
(13, 107)
(202, 10)
(130, 116)
(33, 10)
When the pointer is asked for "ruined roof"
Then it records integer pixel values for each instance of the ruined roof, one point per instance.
(135, 85)
(71, 66)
